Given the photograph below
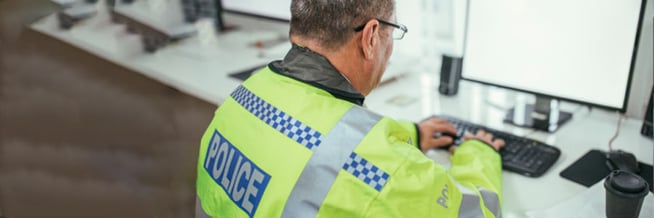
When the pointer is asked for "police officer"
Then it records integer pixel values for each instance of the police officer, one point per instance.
(294, 140)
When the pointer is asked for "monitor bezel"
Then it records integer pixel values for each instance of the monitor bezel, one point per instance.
(255, 15)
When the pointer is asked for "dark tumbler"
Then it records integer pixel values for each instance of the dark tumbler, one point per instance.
(625, 193)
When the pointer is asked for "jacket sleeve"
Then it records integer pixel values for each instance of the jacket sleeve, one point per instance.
(419, 187)
(413, 129)
(478, 167)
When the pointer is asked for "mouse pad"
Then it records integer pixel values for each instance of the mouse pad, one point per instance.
(591, 168)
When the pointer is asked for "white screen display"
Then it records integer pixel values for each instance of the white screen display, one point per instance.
(579, 50)
(279, 9)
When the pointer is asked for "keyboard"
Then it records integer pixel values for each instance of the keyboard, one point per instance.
(520, 155)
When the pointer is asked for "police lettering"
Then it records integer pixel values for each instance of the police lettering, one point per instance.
(442, 200)
(242, 180)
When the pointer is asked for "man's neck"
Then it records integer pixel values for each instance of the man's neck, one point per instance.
(346, 61)
(307, 66)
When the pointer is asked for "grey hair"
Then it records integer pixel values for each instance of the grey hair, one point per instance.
(332, 22)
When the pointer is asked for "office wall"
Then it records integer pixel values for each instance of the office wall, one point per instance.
(410, 14)
(433, 28)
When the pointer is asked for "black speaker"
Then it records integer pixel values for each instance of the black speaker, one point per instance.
(450, 75)
(646, 130)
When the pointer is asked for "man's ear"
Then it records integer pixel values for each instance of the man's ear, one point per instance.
(369, 38)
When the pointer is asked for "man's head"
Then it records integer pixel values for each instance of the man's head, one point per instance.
(331, 22)
(328, 28)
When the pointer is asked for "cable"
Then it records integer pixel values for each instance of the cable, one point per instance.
(617, 131)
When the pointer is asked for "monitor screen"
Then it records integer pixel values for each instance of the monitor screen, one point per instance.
(581, 50)
(273, 9)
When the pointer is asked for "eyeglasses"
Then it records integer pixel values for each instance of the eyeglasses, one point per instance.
(397, 35)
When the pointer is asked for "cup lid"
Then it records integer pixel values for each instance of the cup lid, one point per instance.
(626, 182)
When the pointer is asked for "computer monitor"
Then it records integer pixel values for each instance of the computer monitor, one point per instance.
(581, 51)
(195, 9)
(271, 9)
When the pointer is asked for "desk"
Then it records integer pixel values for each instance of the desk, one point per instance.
(589, 129)
(200, 67)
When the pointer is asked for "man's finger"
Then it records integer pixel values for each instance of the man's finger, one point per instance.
(468, 135)
(441, 141)
(453, 148)
(500, 142)
(448, 128)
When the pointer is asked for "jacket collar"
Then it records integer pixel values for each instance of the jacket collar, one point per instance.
(314, 69)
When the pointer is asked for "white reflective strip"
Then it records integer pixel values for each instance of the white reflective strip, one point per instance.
(327, 160)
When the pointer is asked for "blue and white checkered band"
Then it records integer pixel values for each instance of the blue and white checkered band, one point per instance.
(366, 171)
(282, 122)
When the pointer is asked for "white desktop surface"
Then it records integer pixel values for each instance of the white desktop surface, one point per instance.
(200, 66)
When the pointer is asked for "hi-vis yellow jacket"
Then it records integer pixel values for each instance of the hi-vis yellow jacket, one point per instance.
(281, 148)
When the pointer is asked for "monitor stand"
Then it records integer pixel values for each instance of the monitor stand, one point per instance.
(544, 115)
(218, 17)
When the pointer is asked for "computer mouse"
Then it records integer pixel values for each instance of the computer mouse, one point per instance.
(621, 160)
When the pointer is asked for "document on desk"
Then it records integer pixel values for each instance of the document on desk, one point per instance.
(588, 204)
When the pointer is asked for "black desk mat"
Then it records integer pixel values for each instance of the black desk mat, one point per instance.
(591, 168)
(245, 74)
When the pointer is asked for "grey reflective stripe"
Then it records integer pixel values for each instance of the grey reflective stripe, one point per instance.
(471, 204)
(199, 212)
(327, 160)
(491, 201)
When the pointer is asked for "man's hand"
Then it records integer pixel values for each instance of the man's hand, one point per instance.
(435, 125)
(485, 137)
(432, 126)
